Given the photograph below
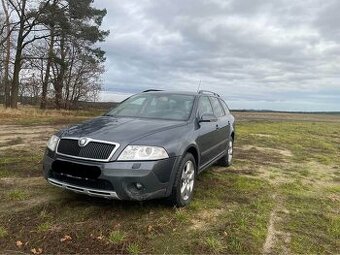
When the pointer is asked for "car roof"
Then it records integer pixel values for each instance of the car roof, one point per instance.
(179, 92)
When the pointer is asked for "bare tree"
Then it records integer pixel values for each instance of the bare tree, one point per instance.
(2, 24)
(7, 53)
(49, 20)
(52, 40)
(83, 82)
(28, 20)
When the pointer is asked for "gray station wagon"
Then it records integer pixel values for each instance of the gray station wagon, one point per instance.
(151, 145)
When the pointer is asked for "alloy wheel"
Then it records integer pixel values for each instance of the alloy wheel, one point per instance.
(230, 151)
(187, 180)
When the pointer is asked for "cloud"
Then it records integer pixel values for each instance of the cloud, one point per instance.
(254, 52)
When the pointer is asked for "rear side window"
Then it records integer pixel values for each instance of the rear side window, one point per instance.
(225, 107)
(217, 107)
(204, 106)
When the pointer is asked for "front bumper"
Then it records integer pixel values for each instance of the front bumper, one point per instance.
(113, 180)
(84, 190)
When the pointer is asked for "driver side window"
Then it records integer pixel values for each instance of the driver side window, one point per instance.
(204, 106)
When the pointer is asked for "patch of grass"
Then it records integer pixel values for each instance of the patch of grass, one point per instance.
(333, 189)
(336, 179)
(313, 229)
(17, 195)
(181, 215)
(305, 172)
(5, 173)
(134, 249)
(246, 228)
(213, 244)
(43, 227)
(3, 232)
(23, 163)
(195, 205)
(312, 220)
(116, 237)
(15, 141)
(291, 135)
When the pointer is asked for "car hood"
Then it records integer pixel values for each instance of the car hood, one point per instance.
(121, 130)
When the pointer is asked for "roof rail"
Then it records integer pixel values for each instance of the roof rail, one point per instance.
(149, 90)
(207, 91)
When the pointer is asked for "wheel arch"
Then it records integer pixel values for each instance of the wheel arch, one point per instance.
(194, 151)
(191, 148)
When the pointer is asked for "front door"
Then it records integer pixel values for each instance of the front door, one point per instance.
(207, 132)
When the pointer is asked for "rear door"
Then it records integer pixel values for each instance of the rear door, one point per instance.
(207, 136)
(223, 125)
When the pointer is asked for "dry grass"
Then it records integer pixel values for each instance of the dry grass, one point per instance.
(30, 115)
(274, 116)
(31, 111)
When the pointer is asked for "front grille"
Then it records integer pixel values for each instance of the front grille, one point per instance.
(93, 150)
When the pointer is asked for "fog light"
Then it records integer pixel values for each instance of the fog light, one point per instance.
(139, 186)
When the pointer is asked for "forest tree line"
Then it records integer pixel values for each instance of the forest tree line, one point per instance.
(49, 52)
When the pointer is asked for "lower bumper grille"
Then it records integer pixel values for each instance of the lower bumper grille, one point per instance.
(86, 183)
(80, 175)
(82, 190)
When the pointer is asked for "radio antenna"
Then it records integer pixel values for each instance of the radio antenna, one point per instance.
(199, 86)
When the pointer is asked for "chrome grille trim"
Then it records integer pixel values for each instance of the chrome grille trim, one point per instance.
(117, 145)
(83, 190)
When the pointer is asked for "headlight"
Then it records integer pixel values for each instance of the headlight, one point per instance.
(52, 143)
(139, 152)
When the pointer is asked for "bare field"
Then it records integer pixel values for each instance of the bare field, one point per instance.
(274, 116)
(280, 196)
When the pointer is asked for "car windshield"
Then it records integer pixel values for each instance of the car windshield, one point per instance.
(156, 106)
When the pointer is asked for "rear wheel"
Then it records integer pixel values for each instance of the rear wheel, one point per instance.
(184, 185)
(227, 160)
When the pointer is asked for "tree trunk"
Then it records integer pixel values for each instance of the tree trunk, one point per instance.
(17, 61)
(47, 73)
(7, 57)
(15, 82)
(68, 82)
(58, 86)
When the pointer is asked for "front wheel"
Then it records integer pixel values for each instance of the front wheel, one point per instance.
(184, 185)
(227, 160)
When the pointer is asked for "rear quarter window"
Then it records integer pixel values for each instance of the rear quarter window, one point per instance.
(204, 106)
(225, 106)
(218, 110)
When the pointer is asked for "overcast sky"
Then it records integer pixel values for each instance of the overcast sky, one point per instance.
(260, 54)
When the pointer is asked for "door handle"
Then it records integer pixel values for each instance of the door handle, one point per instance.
(217, 127)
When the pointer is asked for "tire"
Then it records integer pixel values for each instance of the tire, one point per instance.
(183, 189)
(227, 160)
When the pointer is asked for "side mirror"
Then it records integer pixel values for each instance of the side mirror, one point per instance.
(207, 118)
